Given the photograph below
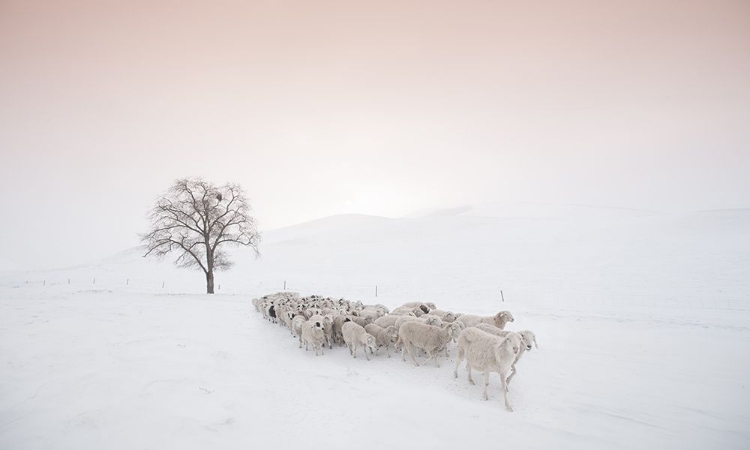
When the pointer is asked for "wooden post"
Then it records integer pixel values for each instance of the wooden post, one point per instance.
(94, 280)
(162, 283)
(285, 285)
(68, 280)
(502, 296)
(44, 283)
(219, 287)
(376, 290)
(127, 282)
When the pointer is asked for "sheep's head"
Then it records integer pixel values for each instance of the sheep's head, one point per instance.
(528, 337)
(432, 320)
(431, 305)
(318, 324)
(392, 333)
(418, 312)
(449, 317)
(455, 330)
(424, 308)
(515, 342)
(370, 342)
(502, 318)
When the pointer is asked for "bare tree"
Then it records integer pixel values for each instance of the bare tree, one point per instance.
(199, 220)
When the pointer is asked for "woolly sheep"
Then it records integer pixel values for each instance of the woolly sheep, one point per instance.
(355, 335)
(338, 322)
(499, 320)
(487, 353)
(429, 338)
(527, 338)
(312, 333)
(384, 337)
(446, 316)
(389, 320)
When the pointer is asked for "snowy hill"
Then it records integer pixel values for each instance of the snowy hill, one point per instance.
(643, 323)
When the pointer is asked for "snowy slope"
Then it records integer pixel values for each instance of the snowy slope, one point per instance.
(642, 319)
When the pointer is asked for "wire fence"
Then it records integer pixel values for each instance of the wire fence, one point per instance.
(443, 292)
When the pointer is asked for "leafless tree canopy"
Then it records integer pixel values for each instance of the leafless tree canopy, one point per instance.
(198, 221)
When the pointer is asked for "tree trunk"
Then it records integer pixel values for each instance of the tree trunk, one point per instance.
(210, 282)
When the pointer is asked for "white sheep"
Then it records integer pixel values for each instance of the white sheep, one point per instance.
(446, 316)
(487, 353)
(527, 338)
(355, 335)
(499, 320)
(384, 337)
(312, 333)
(389, 319)
(429, 338)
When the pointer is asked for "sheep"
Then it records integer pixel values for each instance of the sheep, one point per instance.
(429, 338)
(297, 322)
(270, 312)
(312, 333)
(422, 305)
(361, 321)
(390, 319)
(499, 320)
(355, 335)
(446, 316)
(527, 338)
(338, 322)
(327, 322)
(487, 353)
(401, 311)
(384, 337)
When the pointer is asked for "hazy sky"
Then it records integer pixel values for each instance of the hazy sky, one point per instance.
(320, 107)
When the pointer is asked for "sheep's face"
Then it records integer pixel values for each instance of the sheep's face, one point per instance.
(515, 343)
(528, 338)
(318, 324)
(370, 342)
(449, 317)
(431, 305)
(455, 330)
(392, 333)
(424, 308)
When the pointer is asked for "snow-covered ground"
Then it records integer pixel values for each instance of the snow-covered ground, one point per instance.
(643, 322)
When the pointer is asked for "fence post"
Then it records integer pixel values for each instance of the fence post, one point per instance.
(285, 285)
(94, 280)
(219, 287)
(127, 282)
(68, 280)
(376, 290)
(44, 283)
(162, 283)
(502, 296)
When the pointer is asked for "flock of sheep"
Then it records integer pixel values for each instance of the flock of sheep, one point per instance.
(413, 327)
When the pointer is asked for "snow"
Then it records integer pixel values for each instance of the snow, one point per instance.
(641, 318)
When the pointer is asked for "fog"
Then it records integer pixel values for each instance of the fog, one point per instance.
(321, 108)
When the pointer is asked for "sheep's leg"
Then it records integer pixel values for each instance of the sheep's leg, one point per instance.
(411, 354)
(468, 369)
(322, 348)
(486, 384)
(388, 350)
(458, 363)
(431, 356)
(512, 373)
(354, 350)
(505, 390)
(365, 349)
(403, 353)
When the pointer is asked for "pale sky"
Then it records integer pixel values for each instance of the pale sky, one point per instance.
(321, 107)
